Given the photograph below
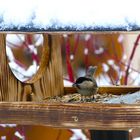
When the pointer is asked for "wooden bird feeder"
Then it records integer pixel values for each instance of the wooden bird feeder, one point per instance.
(48, 81)
(15, 106)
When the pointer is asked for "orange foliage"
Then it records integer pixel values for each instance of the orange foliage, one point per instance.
(103, 49)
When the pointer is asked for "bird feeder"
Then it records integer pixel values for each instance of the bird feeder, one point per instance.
(19, 99)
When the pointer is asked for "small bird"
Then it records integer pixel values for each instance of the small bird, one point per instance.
(86, 85)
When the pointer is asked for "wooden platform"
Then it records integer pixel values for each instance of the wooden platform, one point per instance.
(14, 109)
(69, 115)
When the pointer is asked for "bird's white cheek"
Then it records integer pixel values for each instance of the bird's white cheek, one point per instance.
(87, 84)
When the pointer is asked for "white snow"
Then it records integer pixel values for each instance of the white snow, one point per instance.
(3, 137)
(99, 51)
(105, 67)
(87, 37)
(121, 38)
(78, 135)
(15, 39)
(127, 98)
(138, 138)
(67, 83)
(71, 57)
(111, 62)
(19, 135)
(8, 125)
(86, 51)
(75, 14)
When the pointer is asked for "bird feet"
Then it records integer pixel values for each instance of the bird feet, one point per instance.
(87, 98)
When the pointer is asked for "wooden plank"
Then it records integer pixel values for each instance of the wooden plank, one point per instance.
(8, 83)
(51, 82)
(108, 89)
(95, 116)
(69, 32)
(86, 115)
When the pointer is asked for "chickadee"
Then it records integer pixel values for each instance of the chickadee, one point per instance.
(87, 86)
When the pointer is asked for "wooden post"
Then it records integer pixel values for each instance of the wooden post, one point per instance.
(109, 135)
(48, 81)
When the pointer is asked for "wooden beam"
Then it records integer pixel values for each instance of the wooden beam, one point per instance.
(109, 89)
(69, 32)
(95, 116)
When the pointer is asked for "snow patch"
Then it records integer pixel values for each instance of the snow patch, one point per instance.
(72, 14)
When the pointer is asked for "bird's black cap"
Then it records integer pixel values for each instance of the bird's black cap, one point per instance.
(82, 79)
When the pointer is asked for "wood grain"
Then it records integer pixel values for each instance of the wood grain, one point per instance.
(51, 83)
(108, 89)
(95, 116)
(10, 87)
(70, 32)
(47, 82)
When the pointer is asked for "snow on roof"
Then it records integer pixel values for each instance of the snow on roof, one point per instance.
(61, 15)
